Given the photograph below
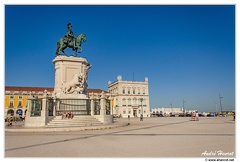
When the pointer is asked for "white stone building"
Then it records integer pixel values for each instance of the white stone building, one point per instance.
(129, 98)
(166, 111)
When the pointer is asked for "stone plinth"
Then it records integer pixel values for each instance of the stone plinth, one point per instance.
(71, 74)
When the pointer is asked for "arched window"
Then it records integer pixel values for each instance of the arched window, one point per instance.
(10, 112)
(19, 112)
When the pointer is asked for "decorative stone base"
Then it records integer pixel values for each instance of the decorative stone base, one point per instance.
(71, 74)
(72, 96)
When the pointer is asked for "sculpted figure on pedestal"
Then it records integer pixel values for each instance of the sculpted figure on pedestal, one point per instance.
(70, 41)
(76, 85)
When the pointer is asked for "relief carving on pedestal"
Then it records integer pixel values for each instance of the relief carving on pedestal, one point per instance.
(74, 86)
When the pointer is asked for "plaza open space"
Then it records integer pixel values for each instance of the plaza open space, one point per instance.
(158, 137)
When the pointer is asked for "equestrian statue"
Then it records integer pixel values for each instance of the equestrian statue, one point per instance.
(70, 41)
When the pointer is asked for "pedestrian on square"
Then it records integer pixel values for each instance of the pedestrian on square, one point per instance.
(141, 117)
(9, 121)
(193, 115)
(197, 116)
(64, 115)
(68, 113)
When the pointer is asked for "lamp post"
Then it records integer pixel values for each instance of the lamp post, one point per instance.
(220, 101)
(183, 106)
(141, 99)
(216, 108)
(171, 106)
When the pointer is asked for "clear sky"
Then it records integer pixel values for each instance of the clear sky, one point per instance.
(187, 52)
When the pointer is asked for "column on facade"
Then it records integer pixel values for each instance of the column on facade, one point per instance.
(54, 106)
(103, 104)
(111, 106)
(44, 104)
(92, 104)
(29, 105)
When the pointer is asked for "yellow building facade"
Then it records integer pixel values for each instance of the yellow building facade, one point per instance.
(16, 99)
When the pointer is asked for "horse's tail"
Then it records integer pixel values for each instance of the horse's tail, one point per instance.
(58, 46)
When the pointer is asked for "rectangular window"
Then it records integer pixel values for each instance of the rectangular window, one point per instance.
(124, 102)
(133, 91)
(123, 91)
(128, 91)
(139, 102)
(11, 97)
(144, 102)
(19, 103)
(143, 91)
(124, 111)
(11, 104)
(20, 97)
(129, 102)
(134, 101)
(138, 91)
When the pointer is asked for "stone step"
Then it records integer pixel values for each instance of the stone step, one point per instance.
(76, 121)
(77, 117)
(72, 122)
(74, 125)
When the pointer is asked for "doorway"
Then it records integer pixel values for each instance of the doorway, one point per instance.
(135, 113)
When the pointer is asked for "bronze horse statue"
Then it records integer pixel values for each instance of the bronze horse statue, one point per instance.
(63, 43)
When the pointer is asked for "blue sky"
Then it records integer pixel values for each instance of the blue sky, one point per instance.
(187, 52)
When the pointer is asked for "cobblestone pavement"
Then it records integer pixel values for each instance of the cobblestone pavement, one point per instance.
(163, 137)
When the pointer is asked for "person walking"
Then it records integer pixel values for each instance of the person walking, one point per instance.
(141, 117)
(197, 116)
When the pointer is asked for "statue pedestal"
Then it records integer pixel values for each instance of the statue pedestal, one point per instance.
(72, 96)
(71, 74)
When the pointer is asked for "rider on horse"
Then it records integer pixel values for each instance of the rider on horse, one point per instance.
(69, 35)
(70, 41)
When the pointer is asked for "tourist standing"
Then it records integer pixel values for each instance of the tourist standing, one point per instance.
(197, 116)
(141, 117)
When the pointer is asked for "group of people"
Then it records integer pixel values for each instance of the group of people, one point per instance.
(9, 121)
(195, 116)
(68, 115)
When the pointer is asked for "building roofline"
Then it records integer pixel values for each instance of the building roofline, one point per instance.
(50, 89)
